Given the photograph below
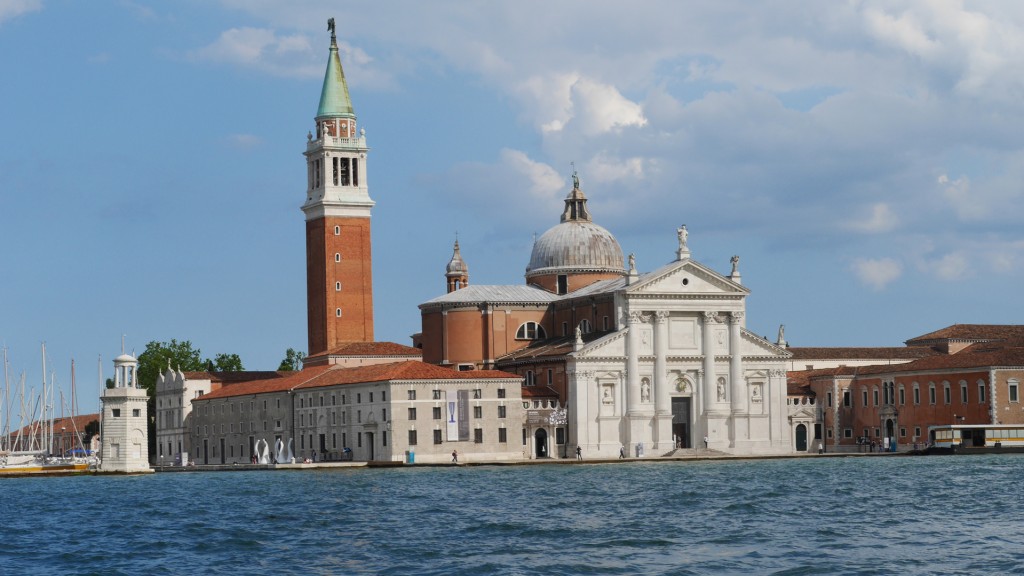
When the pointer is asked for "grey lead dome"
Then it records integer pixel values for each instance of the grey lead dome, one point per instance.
(576, 244)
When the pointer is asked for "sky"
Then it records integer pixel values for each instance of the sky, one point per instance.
(864, 159)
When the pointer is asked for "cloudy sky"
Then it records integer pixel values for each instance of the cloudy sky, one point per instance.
(864, 159)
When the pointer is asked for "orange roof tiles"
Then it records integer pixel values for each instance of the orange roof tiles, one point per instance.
(850, 353)
(334, 375)
(372, 349)
(972, 332)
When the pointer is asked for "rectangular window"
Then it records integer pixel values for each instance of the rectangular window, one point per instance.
(371, 397)
(335, 159)
(437, 436)
(604, 324)
(963, 393)
(945, 394)
(829, 433)
(359, 416)
(412, 394)
(135, 412)
(846, 398)
(115, 412)
(917, 431)
(355, 171)
(864, 394)
(1013, 392)
(917, 395)
(334, 440)
(931, 394)
(412, 437)
(903, 432)
(878, 433)
(828, 397)
(501, 392)
(344, 439)
(847, 432)
(502, 435)
(551, 377)
(344, 164)
(981, 393)
(559, 435)
(384, 438)
(412, 413)
(501, 411)
(477, 393)
(478, 411)
(565, 328)
(478, 435)
(903, 396)
(359, 398)
(437, 412)
(437, 394)
(524, 436)
(874, 396)
(359, 439)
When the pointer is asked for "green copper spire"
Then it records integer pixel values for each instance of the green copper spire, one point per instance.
(334, 100)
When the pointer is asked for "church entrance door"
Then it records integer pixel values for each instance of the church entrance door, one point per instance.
(681, 422)
(801, 438)
(540, 441)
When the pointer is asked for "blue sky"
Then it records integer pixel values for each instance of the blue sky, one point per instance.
(863, 158)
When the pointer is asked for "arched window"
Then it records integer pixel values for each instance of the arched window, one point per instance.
(530, 381)
(963, 392)
(531, 331)
(931, 392)
(917, 393)
(585, 326)
(903, 396)
(337, 230)
(337, 256)
(946, 399)
(337, 312)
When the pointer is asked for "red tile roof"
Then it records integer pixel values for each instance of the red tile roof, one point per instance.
(539, 392)
(333, 375)
(372, 349)
(232, 377)
(69, 424)
(849, 353)
(971, 332)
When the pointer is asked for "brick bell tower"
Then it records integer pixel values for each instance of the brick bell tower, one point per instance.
(339, 279)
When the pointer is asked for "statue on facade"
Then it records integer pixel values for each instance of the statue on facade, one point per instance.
(575, 181)
(735, 264)
(579, 335)
(721, 390)
(683, 235)
(607, 398)
(645, 391)
(781, 341)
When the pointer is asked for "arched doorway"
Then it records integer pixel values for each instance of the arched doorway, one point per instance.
(540, 443)
(890, 432)
(801, 438)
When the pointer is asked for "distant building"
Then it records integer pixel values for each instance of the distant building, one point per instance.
(966, 373)
(641, 363)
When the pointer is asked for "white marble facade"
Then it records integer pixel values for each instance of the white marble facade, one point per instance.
(623, 387)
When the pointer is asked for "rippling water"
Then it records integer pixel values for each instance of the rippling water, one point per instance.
(875, 515)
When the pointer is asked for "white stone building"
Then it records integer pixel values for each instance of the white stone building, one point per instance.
(123, 424)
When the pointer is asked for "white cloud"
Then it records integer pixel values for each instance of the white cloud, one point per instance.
(877, 273)
(881, 219)
(966, 204)
(542, 180)
(10, 9)
(554, 101)
(244, 140)
(607, 168)
(952, 266)
(263, 49)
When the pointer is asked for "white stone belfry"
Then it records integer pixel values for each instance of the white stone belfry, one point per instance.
(123, 422)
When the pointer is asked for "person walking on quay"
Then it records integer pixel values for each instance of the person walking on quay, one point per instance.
(579, 452)
(705, 442)
(622, 452)
(455, 456)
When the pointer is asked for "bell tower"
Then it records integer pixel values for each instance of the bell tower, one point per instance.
(339, 272)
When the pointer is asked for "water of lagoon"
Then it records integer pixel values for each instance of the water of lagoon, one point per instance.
(865, 515)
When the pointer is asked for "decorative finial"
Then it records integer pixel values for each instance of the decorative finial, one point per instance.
(122, 343)
(330, 27)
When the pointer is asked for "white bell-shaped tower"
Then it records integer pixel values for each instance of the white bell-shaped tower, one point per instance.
(124, 431)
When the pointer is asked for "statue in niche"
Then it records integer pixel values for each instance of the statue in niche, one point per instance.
(645, 337)
(607, 397)
(721, 389)
(645, 390)
(755, 393)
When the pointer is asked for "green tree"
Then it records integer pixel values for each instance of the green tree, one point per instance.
(292, 360)
(227, 363)
(159, 355)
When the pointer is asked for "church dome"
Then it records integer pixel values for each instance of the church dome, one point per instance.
(576, 245)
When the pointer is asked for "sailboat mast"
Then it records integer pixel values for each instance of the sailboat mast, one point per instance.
(6, 406)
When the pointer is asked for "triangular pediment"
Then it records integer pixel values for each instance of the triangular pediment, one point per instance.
(610, 346)
(754, 345)
(686, 277)
(804, 413)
